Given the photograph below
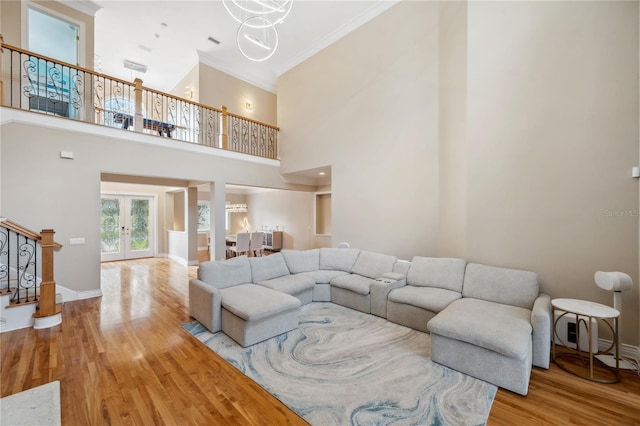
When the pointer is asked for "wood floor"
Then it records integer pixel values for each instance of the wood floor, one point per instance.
(124, 359)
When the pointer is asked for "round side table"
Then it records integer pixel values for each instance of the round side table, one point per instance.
(583, 312)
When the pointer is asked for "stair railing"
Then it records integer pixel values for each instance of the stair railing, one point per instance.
(25, 255)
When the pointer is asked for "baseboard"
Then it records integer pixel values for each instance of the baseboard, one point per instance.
(69, 295)
(627, 351)
(178, 259)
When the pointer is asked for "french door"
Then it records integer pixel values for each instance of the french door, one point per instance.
(126, 227)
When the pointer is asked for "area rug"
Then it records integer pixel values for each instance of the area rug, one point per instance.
(343, 367)
(34, 407)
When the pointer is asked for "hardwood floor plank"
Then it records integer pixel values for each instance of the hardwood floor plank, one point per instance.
(123, 359)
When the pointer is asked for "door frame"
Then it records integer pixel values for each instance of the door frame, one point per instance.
(154, 198)
(82, 45)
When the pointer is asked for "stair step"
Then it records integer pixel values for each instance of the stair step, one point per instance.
(15, 303)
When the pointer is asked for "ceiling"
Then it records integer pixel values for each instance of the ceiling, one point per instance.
(171, 37)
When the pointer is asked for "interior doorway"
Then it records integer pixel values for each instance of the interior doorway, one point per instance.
(127, 227)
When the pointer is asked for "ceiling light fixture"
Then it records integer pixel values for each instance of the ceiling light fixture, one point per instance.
(257, 44)
(135, 66)
(236, 208)
(257, 36)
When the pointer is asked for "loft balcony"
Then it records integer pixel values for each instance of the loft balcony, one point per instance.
(43, 85)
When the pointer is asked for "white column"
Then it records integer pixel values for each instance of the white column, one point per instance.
(217, 220)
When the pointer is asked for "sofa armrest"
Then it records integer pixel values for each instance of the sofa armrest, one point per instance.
(205, 304)
(541, 323)
(380, 289)
(393, 276)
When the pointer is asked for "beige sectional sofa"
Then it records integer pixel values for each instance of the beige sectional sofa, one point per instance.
(488, 322)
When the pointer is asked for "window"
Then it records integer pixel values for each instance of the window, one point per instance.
(204, 215)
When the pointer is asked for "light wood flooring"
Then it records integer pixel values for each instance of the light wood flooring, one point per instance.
(124, 359)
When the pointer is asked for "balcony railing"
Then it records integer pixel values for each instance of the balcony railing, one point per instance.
(44, 85)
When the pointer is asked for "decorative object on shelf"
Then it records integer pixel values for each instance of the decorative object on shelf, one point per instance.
(257, 36)
(236, 208)
(616, 282)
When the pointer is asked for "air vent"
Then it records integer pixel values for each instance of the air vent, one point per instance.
(135, 66)
(213, 40)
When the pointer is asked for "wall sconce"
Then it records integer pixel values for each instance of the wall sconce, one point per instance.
(188, 92)
(248, 104)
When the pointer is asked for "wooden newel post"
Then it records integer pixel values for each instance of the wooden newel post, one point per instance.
(224, 134)
(47, 302)
(138, 122)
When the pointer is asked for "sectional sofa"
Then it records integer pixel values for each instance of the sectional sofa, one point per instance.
(488, 322)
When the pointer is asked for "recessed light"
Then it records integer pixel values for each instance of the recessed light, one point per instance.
(322, 173)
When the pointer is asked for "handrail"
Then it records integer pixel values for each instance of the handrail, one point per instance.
(42, 84)
(271, 126)
(25, 232)
(63, 63)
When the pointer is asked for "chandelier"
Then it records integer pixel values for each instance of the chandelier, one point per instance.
(257, 36)
(236, 208)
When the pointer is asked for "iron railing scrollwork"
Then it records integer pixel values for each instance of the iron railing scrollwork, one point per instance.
(40, 84)
(19, 255)
(251, 137)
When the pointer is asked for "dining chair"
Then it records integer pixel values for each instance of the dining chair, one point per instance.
(257, 238)
(242, 244)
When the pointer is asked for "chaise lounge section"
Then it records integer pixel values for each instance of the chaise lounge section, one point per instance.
(497, 330)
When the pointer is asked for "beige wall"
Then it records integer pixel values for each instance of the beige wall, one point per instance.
(452, 61)
(291, 210)
(507, 138)
(552, 103)
(217, 88)
(368, 106)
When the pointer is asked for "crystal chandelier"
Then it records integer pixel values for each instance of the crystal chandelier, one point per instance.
(257, 36)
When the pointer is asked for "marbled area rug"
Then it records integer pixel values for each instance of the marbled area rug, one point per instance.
(343, 367)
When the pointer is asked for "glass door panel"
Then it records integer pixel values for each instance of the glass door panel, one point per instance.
(126, 227)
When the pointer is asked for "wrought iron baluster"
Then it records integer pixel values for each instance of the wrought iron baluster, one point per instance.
(4, 261)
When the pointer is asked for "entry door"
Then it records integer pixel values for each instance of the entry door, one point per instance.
(126, 227)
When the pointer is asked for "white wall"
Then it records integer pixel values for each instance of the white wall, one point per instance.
(41, 190)
(291, 210)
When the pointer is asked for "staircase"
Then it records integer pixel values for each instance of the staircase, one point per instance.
(27, 288)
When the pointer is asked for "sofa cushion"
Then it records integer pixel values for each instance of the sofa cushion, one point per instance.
(323, 276)
(290, 284)
(302, 260)
(353, 282)
(373, 265)
(430, 298)
(268, 267)
(436, 272)
(252, 302)
(338, 259)
(501, 285)
(225, 273)
(504, 329)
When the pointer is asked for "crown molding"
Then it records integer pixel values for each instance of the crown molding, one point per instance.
(87, 7)
(336, 35)
(258, 80)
